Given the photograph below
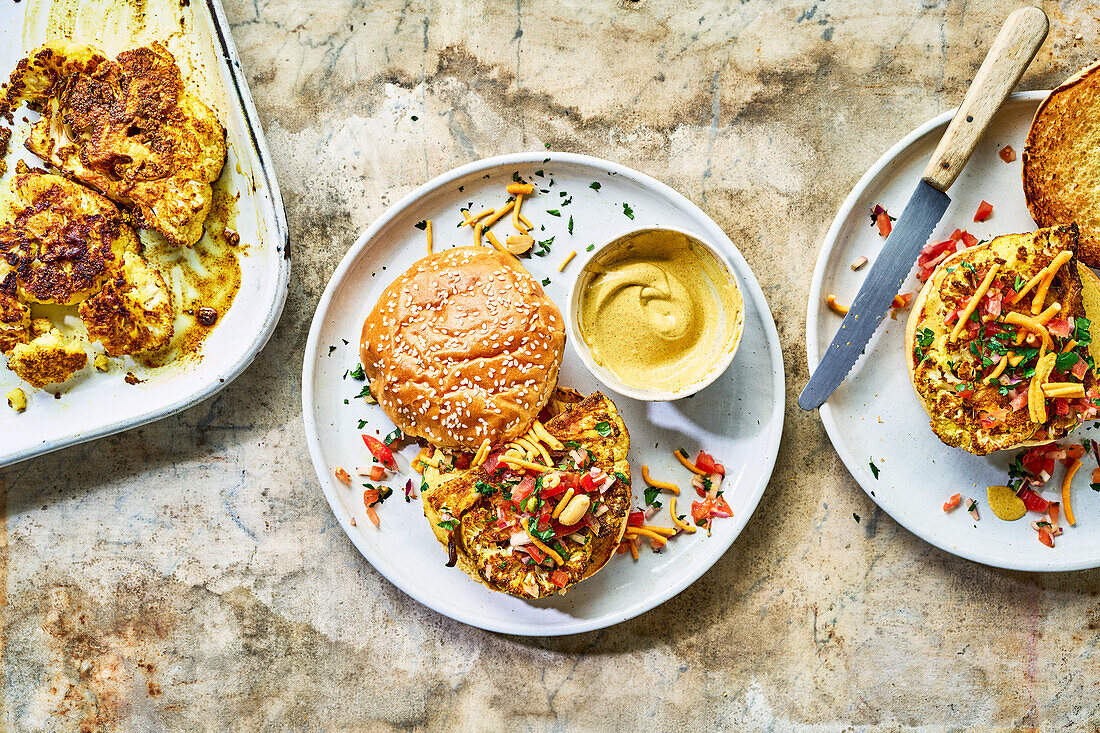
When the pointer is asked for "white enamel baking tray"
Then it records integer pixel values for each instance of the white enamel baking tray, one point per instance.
(93, 405)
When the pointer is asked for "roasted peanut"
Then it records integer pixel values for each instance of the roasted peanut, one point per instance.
(576, 510)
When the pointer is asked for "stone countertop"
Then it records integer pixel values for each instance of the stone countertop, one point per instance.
(189, 573)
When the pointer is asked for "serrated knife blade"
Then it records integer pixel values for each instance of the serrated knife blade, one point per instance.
(909, 235)
(1010, 54)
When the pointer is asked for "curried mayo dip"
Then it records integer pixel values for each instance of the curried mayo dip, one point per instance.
(659, 311)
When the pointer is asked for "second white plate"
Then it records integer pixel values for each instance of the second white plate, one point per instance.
(739, 418)
(875, 418)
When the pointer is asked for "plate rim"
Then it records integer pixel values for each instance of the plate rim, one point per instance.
(364, 241)
(280, 251)
(813, 312)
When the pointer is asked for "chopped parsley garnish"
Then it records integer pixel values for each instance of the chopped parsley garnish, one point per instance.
(595, 185)
(545, 281)
(394, 436)
(365, 392)
(621, 477)
(362, 424)
(651, 493)
(874, 468)
(483, 488)
(570, 225)
(589, 248)
(533, 528)
(571, 444)
(422, 224)
(603, 428)
(357, 373)
(553, 212)
(540, 174)
(543, 248)
(627, 211)
(1081, 331)
(331, 349)
(855, 517)
(1018, 283)
(516, 178)
(449, 525)
(1064, 362)
(925, 337)
(1094, 487)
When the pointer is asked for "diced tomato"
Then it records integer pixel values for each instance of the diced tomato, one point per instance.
(343, 476)
(462, 460)
(1061, 407)
(961, 235)
(988, 419)
(1033, 502)
(372, 515)
(1053, 511)
(965, 393)
(1074, 451)
(492, 462)
(700, 510)
(984, 210)
(1080, 369)
(1059, 327)
(556, 491)
(1037, 461)
(370, 497)
(952, 316)
(380, 450)
(952, 503)
(377, 473)
(723, 505)
(1096, 475)
(559, 578)
(533, 550)
(523, 489)
(1046, 537)
(588, 484)
(1007, 154)
(704, 462)
(636, 519)
(882, 221)
(1019, 400)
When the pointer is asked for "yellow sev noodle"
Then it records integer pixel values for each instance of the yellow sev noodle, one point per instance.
(496, 216)
(542, 545)
(974, 300)
(428, 232)
(688, 464)
(667, 486)
(1019, 319)
(676, 520)
(1041, 292)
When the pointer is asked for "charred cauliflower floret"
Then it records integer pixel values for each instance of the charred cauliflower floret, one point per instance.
(61, 239)
(128, 126)
(15, 317)
(133, 312)
(48, 359)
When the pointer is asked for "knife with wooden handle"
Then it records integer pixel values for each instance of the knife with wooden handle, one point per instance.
(1012, 51)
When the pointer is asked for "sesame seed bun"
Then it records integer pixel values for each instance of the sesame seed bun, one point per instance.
(463, 346)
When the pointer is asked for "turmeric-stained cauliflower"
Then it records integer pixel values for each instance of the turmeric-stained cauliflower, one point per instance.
(60, 239)
(133, 312)
(128, 127)
(48, 359)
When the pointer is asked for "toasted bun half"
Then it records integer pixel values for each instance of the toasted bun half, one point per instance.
(463, 346)
(1061, 161)
(473, 511)
(966, 408)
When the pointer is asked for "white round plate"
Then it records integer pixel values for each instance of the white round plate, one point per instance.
(738, 419)
(875, 416)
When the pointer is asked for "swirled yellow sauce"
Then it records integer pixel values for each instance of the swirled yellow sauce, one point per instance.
(659, 311)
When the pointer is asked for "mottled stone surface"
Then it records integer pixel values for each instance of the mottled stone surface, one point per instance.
(189, 574)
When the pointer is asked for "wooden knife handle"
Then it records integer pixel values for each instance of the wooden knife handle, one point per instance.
(1011, 53)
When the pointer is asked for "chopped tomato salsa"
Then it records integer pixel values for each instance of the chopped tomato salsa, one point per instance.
(984, 210)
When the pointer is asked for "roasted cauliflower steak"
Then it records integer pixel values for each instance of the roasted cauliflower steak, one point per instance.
(127, 127)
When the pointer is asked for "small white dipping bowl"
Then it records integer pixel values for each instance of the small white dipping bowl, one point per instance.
(606, 376)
